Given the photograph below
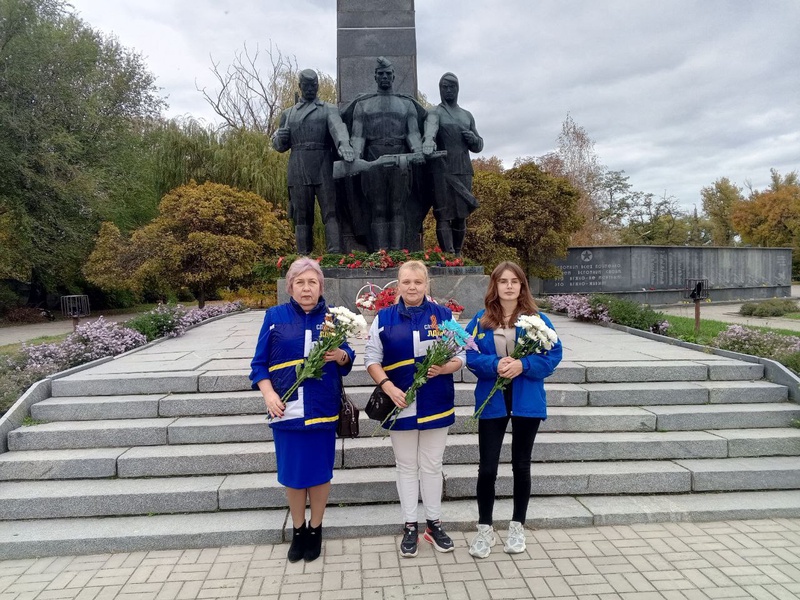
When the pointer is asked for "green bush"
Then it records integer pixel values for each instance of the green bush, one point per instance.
(632, 314)
(791, 361)
(774, 307)
(159, 322)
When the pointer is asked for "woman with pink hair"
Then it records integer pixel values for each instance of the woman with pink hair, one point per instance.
(304, 428)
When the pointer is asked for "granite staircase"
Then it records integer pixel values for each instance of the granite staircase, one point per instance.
(140, 457)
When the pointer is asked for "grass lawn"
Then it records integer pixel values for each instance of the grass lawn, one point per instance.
(45, 339)
(683, 328)
(106, 312)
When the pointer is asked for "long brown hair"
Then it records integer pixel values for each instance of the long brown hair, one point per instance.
(493, 317)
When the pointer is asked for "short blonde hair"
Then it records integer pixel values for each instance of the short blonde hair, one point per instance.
(301, 265)
(415, 265)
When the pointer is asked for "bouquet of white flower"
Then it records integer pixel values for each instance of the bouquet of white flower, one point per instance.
(340, 323)
(536, 338)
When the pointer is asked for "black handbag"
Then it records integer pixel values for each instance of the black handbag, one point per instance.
(379, 404)
(347, 426)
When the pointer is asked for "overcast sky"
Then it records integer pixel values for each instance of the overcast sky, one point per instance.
(677, 93)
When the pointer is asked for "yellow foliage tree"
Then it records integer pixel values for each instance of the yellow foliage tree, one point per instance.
(206, 236)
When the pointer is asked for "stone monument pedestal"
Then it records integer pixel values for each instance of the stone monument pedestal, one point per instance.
(466, 284)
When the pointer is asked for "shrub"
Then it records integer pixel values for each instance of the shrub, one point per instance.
(775, 307)
(749, 341)
(792, 362)
(579, 307)
(632, 314)
(159, 322)
(25, 314)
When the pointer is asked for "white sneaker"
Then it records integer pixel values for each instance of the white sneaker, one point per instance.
(481, 545)
(515, 542)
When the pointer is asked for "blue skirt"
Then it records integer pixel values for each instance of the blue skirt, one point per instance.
(305, 457)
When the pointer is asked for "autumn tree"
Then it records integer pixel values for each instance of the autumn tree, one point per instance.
(718, 202)
(205, 237)
(256, 86)
(655, 221)
(771, 218)
(576, 161)
(492, 164)
(525, 215)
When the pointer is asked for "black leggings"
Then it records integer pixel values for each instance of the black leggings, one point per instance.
(490, 443)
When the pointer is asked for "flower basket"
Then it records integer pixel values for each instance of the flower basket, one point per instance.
(454, 307)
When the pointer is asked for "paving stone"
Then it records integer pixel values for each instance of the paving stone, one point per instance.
(619, 371)
(218, 430)
(90, 434)
(640, 394)
(89, 498)
(698, 507)
(197, 459)
(724, 416)
(731, 474)
(202, 404)
(630, 477)
(96, 407)
(86, 384)
(53, 537)
(731, 392)
(59, 464)
(761, 442)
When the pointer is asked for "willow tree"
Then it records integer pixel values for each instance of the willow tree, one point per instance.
(73, 106)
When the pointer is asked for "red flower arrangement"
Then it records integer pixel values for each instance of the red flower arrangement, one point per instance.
(454, 306)
(386, 297)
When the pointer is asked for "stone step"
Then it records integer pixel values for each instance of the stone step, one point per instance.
(90, 434)
(86, 408)
(100, 383)
(58, 537)
(59, 464)
(762, 473)
(113, 497)
(92, 408)
(254, 428)
(725, 416)
(134, 496)
(259, 457)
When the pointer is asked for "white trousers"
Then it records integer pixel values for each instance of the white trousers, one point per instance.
(418, 457)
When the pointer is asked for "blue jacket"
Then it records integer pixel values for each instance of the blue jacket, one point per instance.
(286, 338)
(527, 389)
(405, 335)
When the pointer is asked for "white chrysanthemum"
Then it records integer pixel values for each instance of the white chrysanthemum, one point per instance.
(361, 323)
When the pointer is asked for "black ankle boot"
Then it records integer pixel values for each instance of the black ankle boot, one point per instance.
(298, 547)
(313, 543)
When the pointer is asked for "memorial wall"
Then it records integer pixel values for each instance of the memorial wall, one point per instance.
(658, 274)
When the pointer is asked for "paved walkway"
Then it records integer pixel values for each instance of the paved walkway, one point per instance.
(672, 561)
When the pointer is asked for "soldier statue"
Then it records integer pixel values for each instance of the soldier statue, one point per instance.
(450, 128)
(311, 129)
(383, 124)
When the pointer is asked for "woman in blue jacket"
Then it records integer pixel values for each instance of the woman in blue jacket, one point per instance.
(523, 401)
(304, 429)
(398, 339)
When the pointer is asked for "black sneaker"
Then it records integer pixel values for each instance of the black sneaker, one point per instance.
(408, 547)
(436, 536)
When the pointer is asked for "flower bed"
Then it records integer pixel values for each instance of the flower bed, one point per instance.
(94, 340)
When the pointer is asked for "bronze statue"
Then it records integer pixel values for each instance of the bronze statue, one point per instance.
(450, 128)
(307, 129)
(387, 123)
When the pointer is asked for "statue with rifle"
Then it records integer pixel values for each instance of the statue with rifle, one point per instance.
(386, 132)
